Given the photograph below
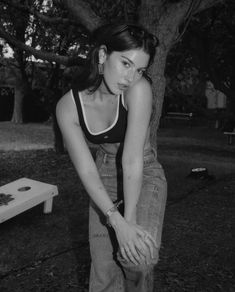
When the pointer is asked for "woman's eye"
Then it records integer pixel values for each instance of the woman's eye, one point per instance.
(126, 64)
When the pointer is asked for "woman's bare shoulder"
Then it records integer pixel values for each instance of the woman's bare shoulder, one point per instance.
(66, 107)
(142, 83)
(141, 89)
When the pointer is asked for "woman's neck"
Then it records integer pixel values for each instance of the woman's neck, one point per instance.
(100, 94)
(103, 92)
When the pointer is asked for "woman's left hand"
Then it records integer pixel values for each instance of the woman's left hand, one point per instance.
(147, 244)
(136, 244)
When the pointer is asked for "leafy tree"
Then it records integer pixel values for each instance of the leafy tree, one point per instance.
(19, 20)
(168, 19)
(206, 51)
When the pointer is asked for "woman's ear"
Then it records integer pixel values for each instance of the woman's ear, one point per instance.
(102, 54)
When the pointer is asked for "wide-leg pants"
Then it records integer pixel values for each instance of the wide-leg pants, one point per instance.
(109, 272)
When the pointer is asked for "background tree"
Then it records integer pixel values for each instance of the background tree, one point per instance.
(25, 27)
(205, 53)
(168, 19)
(17, 27)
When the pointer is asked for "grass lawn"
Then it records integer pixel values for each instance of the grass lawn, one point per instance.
(28, 136)
(50, 252)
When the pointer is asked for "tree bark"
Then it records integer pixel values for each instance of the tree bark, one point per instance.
(164, 26)
(17, 116)
(83, 14)
(159, 86)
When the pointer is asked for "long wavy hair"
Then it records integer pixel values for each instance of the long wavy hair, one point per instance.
(116, 37)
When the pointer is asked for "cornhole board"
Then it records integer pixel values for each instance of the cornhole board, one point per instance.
(26, 193)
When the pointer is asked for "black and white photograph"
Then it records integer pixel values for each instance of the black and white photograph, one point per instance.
(117, 145)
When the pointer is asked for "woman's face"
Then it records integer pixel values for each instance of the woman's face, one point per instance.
(123, 69)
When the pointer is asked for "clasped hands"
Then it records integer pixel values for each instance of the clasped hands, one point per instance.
(136, 244)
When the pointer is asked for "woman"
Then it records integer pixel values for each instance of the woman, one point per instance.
(111, 106)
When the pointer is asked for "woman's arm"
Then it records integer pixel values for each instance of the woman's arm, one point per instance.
(139, 102)
(79, 152)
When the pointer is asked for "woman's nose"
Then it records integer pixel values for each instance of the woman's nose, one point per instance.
(130, 75)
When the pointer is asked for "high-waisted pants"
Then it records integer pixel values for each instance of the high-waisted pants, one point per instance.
(109, 272)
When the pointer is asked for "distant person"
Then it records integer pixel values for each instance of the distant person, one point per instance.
(216, 103)
(111, 106)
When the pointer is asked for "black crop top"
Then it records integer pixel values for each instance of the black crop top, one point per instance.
(113, 134)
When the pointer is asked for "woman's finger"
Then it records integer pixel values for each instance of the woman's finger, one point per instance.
(143, 233)
(132, 247)
(143, 252)
(124, 255)
(150, 246)
(140, 231)
(146, 235)
(141, 247)
(132, 254)
(149, 241)
(150, 237)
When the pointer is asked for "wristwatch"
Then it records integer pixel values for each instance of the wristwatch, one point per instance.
(111, 211)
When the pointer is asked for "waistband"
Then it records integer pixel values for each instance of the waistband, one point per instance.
(149, 154)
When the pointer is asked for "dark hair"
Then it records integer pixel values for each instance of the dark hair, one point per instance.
(116, 37)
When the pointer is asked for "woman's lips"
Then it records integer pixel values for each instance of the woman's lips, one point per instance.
(122, 86)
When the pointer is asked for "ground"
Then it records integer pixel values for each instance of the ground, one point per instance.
(50, 252)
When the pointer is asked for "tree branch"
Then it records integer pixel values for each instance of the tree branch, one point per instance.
(43, 17)
(177, 12)
(193, 6)
(83, 14)
(53, 20)
(205, 4)
(38, 54)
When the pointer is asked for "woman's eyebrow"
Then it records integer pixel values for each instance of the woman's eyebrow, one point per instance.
(129, 60)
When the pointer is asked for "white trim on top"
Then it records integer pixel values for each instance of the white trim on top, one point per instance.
(85, 119)
(123, 101)
(71, 92)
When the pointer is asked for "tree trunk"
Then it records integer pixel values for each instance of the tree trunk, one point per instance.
(159, 85)
(17, 116)
(165, 29)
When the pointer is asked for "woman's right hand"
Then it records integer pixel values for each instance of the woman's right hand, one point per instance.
(136, 244)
